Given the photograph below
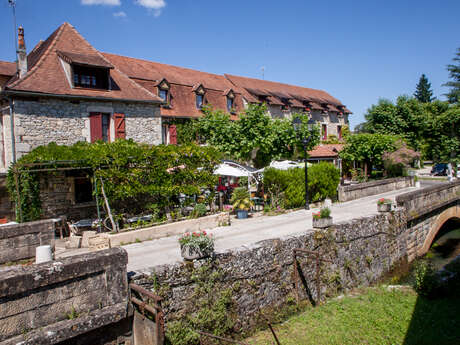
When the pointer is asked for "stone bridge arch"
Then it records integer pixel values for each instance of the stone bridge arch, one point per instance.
(450, 213)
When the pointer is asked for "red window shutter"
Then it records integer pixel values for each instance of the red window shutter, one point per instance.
(95, 126)
(120, 126)
(324, 132)
(172, 135)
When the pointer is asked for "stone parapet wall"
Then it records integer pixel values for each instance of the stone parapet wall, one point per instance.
(425, 200)
(171, 229)
(18, 241)
(56, 301)
(261, 276)
(361, 190)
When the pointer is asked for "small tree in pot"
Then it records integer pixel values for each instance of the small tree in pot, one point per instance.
(241, 202)
(322, 219)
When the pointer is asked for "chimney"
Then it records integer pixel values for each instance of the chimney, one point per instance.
(22, 54)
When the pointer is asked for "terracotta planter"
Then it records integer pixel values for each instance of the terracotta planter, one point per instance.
(322, 222)
(192, 253)
(384, 207)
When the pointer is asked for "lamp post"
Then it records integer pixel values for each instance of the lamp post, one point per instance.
(297, 123)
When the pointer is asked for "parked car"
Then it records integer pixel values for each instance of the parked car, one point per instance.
(439, 169)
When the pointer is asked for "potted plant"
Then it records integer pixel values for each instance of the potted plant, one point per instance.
(322, 219)
(384, 205)
(241, 202)
(196, 245)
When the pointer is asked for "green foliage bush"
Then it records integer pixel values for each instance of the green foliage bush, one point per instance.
(199, 210)
(289, 185)
(425, 280)
(135, 175)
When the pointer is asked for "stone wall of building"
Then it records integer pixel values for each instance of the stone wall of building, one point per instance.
(18, 241)
(331, 119)
(361, 190)
(39, 121)
(262, 276)
(52, 302)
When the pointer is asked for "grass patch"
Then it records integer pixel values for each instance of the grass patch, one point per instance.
(377, 316)
(432, 178)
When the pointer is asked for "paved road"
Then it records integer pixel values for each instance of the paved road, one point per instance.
(243, 233)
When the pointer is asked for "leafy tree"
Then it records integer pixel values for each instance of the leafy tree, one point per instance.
(453, 96)
(368, 149)
(423, 92)
(255, 137)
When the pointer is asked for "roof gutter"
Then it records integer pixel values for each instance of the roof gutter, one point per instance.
(75, 97)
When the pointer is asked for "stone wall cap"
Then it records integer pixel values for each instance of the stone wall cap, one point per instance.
(24, 278)
(374, 183)
(400, 199)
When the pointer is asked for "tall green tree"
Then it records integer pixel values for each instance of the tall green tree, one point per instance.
(453, 96)
(423, 92)
(255, 137)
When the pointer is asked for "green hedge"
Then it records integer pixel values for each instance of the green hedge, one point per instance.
(288, 186)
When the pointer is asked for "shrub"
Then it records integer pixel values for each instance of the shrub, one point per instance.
(425, 279)
(199, 210)
(323, 180)
(289, 185)
(198, 240)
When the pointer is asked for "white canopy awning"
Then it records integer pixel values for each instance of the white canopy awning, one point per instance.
(228, 170)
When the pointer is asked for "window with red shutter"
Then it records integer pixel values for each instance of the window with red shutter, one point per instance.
(172, 135)
(95, 125)
(99, 125)
(324, 131)
(120, 126)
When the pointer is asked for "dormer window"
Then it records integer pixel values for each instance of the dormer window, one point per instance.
(90, 71)
(163, 91)
(230, 101)
(199, 96)
(90, 77)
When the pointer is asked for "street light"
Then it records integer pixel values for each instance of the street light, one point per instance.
(297, 123)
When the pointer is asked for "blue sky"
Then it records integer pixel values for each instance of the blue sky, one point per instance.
(358, 51)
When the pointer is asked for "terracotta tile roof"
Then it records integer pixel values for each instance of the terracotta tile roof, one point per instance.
(183, 82)
(46, 75)
(264, 86)
(7, 68)
(326, 151)
(84, 59)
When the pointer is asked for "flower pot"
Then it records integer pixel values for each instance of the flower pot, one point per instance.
(193, 253)
(322, 222)
(384, 207)
(242, 214)
(417, 184)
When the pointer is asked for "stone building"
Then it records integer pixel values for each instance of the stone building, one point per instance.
(65, 91)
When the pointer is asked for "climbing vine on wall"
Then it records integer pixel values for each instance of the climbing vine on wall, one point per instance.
(136, 176)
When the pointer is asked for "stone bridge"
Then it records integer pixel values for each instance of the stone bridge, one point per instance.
(427, 211)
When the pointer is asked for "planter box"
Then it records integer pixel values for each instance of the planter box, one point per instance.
(192, 253)
(171, 229)
(384, 207)
(242, 214)
(322, 222)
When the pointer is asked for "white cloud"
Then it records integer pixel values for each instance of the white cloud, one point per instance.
(120, 14)
(101, 2)
(155, 5)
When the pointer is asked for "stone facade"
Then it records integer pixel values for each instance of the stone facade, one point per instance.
(39, 121)
(52, 302)
(331, 119)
